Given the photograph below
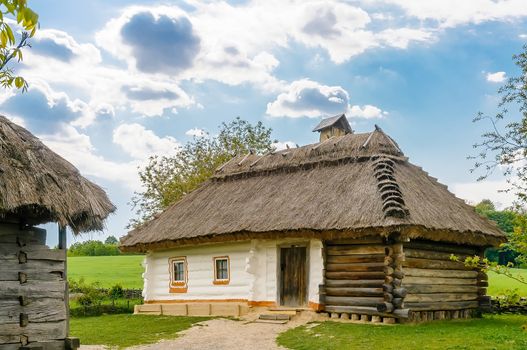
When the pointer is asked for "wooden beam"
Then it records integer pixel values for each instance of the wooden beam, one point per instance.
(439, 273)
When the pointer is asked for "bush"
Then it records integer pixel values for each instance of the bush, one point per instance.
(116, 292)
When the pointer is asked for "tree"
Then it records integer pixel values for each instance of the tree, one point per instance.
(11, 44)
(111, 240)
(166, 179)
(507, 220)
(506, 147)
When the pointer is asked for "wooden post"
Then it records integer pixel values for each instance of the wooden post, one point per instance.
(63, 245)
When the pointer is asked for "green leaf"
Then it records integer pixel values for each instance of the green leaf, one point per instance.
(19, 82)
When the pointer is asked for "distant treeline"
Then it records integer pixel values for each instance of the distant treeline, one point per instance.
(95, 248)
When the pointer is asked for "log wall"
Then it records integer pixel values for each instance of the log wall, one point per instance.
(32, 290)
(359, 276)
(437, 287)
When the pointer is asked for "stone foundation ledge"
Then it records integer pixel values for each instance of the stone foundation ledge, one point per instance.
(193, 309)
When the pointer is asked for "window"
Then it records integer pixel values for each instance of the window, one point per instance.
(178, 274)
(221, 270)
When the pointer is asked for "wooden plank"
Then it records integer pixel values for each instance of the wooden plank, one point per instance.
(358, 249)
(438, 280)
(353, 301)
(354, 275)
(439, 306)
(439, 273)
(427, 254)
(11, 332)
(40, 270)
(355, 267)
(358, 258)
(434, 264)
(358, 292)
(32, 289)
(40, 310)
(440, 297)
(439, 288)
(11, 234)
(354, 283)
(440, 247)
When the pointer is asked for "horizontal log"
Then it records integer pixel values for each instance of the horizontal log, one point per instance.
(439, 306)
(44, 345)
(385, 307)
(388, 270)
(398, 274)
(364, 310)
(399, 292)
(358, 292)
(32, 289)
(388, 297)
(12, 234)
(355, 267)
(440, 297)
(35, 332)
(39, 270)
(352, 249)
(40, 310)
(358, 258)
(440, 247)
(434, 264)
(433, 255)
(365, 240)
(439, 280)
(353, 301)
(439, 288)
(387, 287)
(354, 283)
(354, 275)
(440, 273)
(397, 302)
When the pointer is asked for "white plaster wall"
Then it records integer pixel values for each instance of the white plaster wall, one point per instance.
(265, 268)
(200, 273)
(254, 271)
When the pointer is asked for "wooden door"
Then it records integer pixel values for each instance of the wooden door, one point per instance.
(293, 280)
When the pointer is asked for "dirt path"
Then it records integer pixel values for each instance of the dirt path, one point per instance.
(223, 334)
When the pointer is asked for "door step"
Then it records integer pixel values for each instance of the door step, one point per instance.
(270, 321)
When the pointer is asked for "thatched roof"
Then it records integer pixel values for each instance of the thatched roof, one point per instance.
(39, 186)
(347, 186)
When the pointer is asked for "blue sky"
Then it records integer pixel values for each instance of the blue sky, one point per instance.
(113, 82)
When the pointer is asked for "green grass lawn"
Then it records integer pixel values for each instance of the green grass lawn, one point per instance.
(492, 332)
(108, 270)
(127, 330)
(500, 283)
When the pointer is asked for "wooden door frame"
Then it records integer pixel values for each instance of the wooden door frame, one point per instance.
(279, 247)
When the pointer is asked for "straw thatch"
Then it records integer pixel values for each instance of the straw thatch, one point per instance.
(348, 186)
(39, 186)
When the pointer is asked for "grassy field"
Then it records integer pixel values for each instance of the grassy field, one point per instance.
(108, 270)
(127, 330)
(492, 332)
(499, 283)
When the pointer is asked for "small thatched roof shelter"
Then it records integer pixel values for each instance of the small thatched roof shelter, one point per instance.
(346, 186)
(39, 186)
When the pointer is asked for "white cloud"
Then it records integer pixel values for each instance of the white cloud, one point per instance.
(498, 77)
(522, 36)
(16, 119)
(366, 111)
(141, 143)
(196, 132)
(78, 150)
(450, 13)
(307, 98)
(474, 192)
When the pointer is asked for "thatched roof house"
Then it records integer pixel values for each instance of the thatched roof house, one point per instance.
(354, 187)
(37, 186)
